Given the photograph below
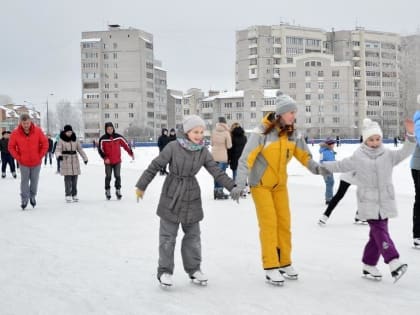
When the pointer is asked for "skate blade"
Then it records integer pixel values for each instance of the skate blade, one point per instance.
(322, 224)
(416, 246)
(371, 277)
(165, 286)
(399, 272)
(275, 283)
(199, 282)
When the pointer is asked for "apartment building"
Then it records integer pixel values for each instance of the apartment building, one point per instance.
(323, 89)
(175, 108)
(376, 63)
(161, 98)
(260, 50)
(118, 81)
(410, 74)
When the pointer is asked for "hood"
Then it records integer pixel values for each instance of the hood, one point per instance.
(163, 131)
(109, 124)
(238, 131)
(64, 137)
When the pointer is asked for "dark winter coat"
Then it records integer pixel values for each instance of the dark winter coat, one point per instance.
(4, 144)
(172, 135)
(109, 147)
(180, 199)
(163, 140)
(50, 145)
(68, 147)
(238, 143)
(28, 149)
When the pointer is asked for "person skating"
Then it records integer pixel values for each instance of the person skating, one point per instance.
(28, 145)
(270, 147)
(373, 164)
(326, 153)
(415, 173)
(172, 135)
(66, 151)
(109, 148)
(180, 199)
(6, 157)
(163, 140)
(49, 154)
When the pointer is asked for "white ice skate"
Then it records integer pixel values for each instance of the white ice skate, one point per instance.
(199, 278)
(166, 280)
(397, 268)
(289, 272)
(371, 273)
(274, 277)
(68, 199)
(416, 243)
(75, 199)
(323, 220)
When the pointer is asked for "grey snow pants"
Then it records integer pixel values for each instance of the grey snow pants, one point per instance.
(29, 177)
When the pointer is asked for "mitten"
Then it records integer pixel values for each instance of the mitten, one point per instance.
(323, 171)
(236, 193)
(85, 162)
(60, 158)
(139, 194)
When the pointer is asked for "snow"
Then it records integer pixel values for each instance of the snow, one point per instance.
(100, 257)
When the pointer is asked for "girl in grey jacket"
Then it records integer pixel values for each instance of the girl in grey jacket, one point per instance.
(180, 199)
(373, 164)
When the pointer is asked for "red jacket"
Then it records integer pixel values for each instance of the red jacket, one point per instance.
(28, 149)
(109, 147)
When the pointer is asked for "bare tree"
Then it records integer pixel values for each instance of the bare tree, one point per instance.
(67, 113)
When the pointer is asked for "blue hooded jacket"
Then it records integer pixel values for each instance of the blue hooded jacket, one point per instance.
(415, 159)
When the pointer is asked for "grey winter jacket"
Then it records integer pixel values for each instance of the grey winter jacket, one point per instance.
(180, 199)
(415, 159)
(375, 191)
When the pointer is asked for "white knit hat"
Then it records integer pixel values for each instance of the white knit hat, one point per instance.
(284, 103)
(192, 121)
(370, 128)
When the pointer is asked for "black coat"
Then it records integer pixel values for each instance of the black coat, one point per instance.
(238, 143)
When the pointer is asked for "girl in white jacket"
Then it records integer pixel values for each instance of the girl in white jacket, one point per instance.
(373, 164)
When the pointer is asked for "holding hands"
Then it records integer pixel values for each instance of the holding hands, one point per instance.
(236, 193)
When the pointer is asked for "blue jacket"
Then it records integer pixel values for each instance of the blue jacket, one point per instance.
(415, 159)
(326, 154)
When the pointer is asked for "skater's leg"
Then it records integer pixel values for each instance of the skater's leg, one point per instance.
(191, 247)
(284, 234)
(108, 174)
(67, 185)
(267, 221)
(329, 185)
(416, 207)
(383, 241)
(167, 238)
(34, 178)
(24, 183)
(117, 175)
(74, 185)
(342, 189)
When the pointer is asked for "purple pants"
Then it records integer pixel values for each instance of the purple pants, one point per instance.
(380, 243)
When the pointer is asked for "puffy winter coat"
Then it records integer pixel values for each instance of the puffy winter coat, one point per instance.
(68, 149)
(28, 149)
(265, 157)
(180, 199)
(163, 140)
(109, 147)
(238, 143)
(373, 167)
(415, 160)
(326, 154)
(220, 142)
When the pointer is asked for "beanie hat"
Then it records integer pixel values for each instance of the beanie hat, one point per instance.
(192, 121)
(329, 141)
(172, 130)
(370, 128)
(67, 128)
(284, 103)
(5, 132)
(222, 120)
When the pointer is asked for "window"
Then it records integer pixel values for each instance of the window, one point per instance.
(307, 97)
(130, 105)
(307, 73)
(116, 125)
(115, 115)
(253, 115)
(308, 85)
(320, 73)
(115, 105)
(308, 108)
(239, 116)
(253, 51)
(253, 61)
(106, 115)
(336, 85)
(130, 115)
(292, 85)
(253, 104)
(321, 85)
(115, 55)
(335, 73)
(292, 74)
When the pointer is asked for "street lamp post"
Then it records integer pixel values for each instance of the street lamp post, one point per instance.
(48, 122)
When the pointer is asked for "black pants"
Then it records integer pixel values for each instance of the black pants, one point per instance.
(342, 189)
(6, 158)
(70, 184)
(416, 207)
(117, 174)
(48, 155)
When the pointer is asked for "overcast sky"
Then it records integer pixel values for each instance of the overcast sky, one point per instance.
(195, 40)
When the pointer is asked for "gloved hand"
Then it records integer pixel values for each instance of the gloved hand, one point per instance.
(85, 162)
(236, 193)
(139, 194)
(60, 158)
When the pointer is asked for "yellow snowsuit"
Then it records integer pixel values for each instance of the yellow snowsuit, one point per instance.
(264, 161)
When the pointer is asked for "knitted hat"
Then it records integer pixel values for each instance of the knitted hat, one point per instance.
(222, 120)
(192, 121)
(284, 104)
(5, 132)
(172, 130)
(67, 128)
(370, 128)
(329, 141)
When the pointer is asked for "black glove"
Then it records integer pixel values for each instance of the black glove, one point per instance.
(85, 162)
(60, 158)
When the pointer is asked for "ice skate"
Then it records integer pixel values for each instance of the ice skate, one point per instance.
(289, 272)
(32, 201)
(323, 220)
(68, 199)
(24, 204)
(165, 280)
(108, 194)
(371, 272)
(14, 174)
(75, 199)
(359, 221)
(3, 175)
(416, 243)
(199, 278)
(397, 268)
(118, 194)
(274, 277)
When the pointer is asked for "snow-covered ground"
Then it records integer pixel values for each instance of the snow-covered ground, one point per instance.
(100, 257)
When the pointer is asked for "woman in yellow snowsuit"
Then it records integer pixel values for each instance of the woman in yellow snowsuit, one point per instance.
(264, 164)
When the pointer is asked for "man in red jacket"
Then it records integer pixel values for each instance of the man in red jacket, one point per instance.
(109, 149)
(28, 145)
